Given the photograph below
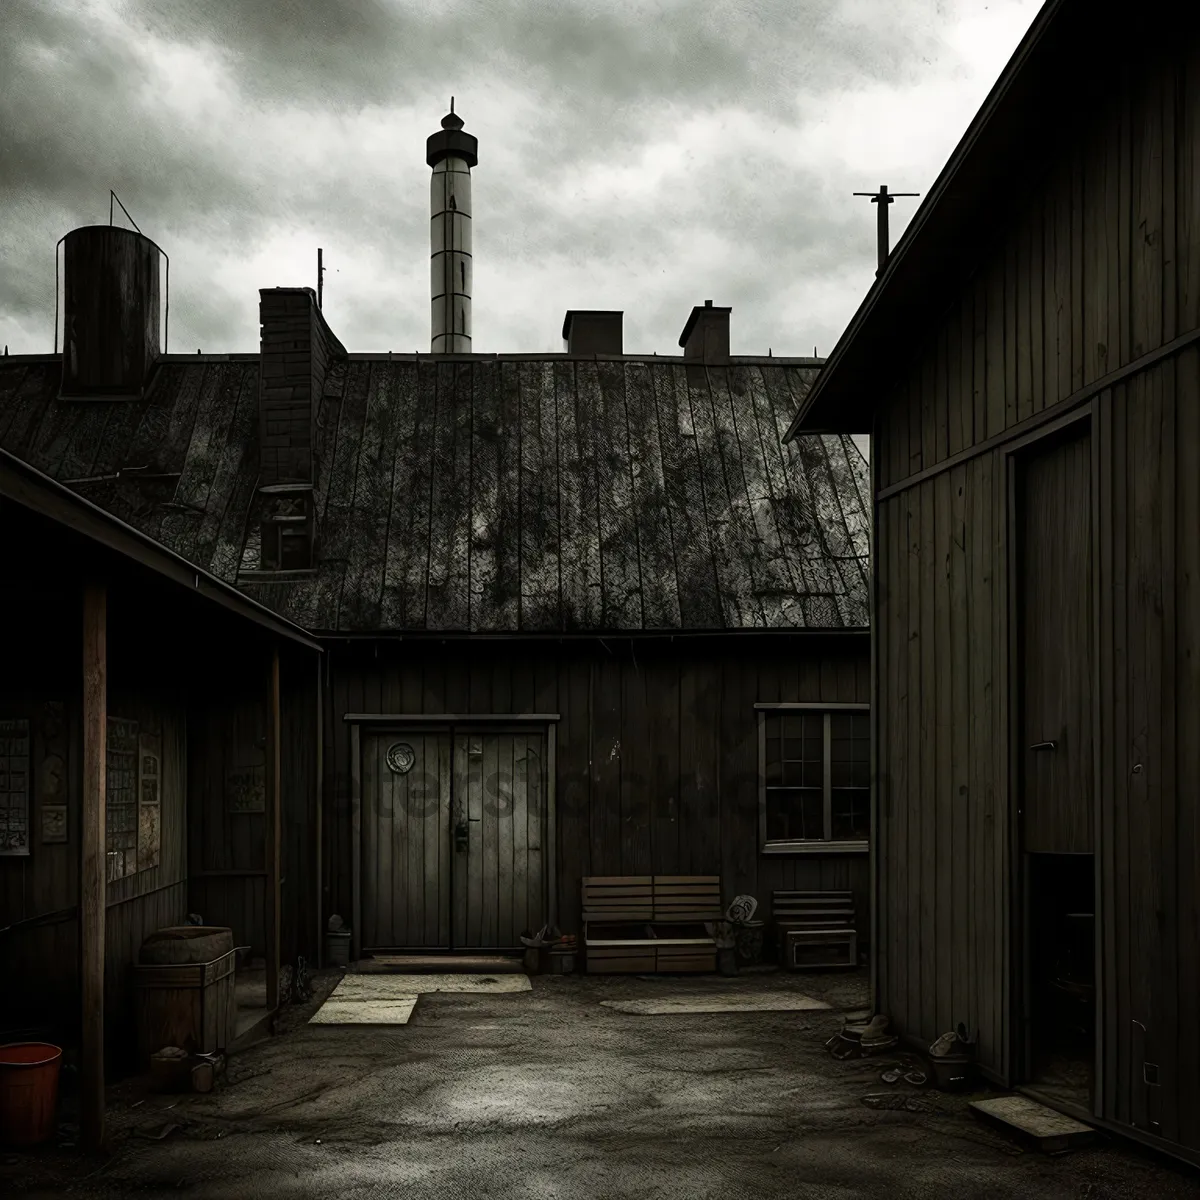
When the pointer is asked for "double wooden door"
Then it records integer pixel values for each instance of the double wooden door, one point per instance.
(453, 837)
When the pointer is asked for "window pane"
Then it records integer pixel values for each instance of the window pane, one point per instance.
(851, 751)
(773, 766)
(794, 814)
(794, 749)
(851, 814)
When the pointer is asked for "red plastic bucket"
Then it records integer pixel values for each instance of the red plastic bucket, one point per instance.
(28, 1092)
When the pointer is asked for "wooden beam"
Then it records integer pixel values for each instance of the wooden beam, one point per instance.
(319, 944)
(447, 718)
(92, 869)
(355, 842)
(1071, 407)
(551, 855)
(274, 825)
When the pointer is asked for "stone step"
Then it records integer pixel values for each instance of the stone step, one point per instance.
(415, 964)
(1049, 1131)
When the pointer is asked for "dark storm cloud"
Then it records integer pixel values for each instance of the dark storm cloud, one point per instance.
(355, 52)
(302, 126)
(75, 119)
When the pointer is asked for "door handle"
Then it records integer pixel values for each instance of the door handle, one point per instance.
(1044, 746)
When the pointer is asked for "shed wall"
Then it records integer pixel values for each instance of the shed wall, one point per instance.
(1100, 270)
(42, 684)
(657, 767)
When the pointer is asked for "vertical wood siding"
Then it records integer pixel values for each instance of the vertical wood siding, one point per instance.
(1100, 268)
(657, 767)
(44, 958)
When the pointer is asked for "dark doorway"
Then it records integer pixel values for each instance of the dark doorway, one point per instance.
(1062, 976)
(1055, 867)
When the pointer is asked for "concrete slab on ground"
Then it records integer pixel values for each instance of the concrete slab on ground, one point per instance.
(391, 964)
(557, 1095)
(360, 1011)
(417, 985)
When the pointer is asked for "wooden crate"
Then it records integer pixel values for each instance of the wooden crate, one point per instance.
(805, 948)
(621, 958)
(638, 924)
(190, 1005)
(815, 929)
(690, 957)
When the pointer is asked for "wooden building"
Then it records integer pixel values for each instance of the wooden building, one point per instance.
(1028, 366)
(135, 689)
(581, 613)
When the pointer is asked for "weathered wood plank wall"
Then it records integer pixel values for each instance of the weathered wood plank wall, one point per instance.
(42, 681)
(1100, 269)
(657, 767)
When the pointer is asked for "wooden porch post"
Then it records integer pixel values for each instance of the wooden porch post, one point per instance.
(273, 832)
(92, 872)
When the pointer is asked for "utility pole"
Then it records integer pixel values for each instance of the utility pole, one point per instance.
(883, 198)
(320, 275)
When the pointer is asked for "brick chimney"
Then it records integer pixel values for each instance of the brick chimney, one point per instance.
(592, 331)
(705, 337)
(295, 351)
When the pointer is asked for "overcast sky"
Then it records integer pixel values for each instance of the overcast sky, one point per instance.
(643, 155)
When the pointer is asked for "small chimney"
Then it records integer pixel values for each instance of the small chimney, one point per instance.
(592, 331)
(110, 312)
(296, 348)
(705, 337)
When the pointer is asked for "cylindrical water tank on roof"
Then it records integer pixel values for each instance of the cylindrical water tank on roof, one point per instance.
(110, 310)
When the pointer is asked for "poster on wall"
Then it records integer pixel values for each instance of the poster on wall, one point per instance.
(150, 807)
(52, 775)
(14, 786)
(246, 789)
(122, 799)
(54, 824)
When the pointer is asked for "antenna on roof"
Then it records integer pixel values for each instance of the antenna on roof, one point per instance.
(320, 275)
(451, 103)
(883, 199)
(113, 196)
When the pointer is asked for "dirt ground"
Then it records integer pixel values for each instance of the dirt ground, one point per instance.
(549, 1094)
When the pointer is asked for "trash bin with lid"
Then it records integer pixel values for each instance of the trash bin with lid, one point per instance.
(184, 985)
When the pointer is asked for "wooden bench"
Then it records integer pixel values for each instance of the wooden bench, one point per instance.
(815, 929)
(641, 924)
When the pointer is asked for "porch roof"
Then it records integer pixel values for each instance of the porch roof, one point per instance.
(26, 486)
(1067, 54)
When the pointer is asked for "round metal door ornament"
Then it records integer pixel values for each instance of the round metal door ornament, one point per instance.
(400, 757)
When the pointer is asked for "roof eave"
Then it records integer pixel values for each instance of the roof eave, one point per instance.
(29, 487)
(822, 395)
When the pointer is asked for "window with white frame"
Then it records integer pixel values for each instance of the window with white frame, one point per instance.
(814, 777)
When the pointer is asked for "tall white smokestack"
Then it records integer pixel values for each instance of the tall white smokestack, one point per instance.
(451, 153)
